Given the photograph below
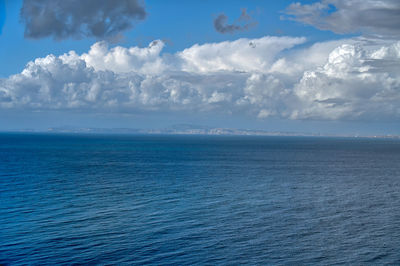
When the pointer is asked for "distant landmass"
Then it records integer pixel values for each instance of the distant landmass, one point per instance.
(179, 129)
(187, 129)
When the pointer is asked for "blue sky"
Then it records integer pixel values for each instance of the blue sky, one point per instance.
(180, 23)
(279, 65)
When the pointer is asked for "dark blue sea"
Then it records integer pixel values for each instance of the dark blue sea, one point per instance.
(205, 200)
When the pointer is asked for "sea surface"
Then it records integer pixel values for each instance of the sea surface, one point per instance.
(204, 200)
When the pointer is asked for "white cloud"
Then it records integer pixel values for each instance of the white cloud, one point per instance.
(240, 55)
(119, 59)
(267, 77)
(355, 82)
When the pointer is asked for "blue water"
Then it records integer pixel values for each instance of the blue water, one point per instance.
(198, 200)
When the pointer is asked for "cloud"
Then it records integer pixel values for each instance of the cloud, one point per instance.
(377, 17)
(77, 19)
(349, 79)
(221, 25)
(120, 59)
(239, 55)
(355, 82)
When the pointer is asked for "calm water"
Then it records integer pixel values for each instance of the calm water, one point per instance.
(198, 200)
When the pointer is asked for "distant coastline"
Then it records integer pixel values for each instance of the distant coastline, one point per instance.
(184, 129)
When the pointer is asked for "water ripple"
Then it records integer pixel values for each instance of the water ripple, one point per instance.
(69, 199)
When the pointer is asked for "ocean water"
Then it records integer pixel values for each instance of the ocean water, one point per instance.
(183, 200)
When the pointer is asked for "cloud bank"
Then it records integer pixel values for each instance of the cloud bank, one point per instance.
(267, 77)
(243, 23)
(378, 17)
(62, 19)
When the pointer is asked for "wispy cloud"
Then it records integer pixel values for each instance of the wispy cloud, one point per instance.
(378, 17)
(243, 23)
(77, 19)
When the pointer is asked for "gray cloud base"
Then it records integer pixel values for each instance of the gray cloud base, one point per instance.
(77, 19)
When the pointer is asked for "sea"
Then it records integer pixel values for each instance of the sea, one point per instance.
(70, 199)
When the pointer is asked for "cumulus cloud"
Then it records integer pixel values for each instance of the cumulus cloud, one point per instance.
(239, 55)
(77, 19)
(121, 59)
(267, 77)
(355, 82)
(377, 17)
(243, 23)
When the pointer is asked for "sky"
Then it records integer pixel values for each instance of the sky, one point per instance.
(323, 66)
